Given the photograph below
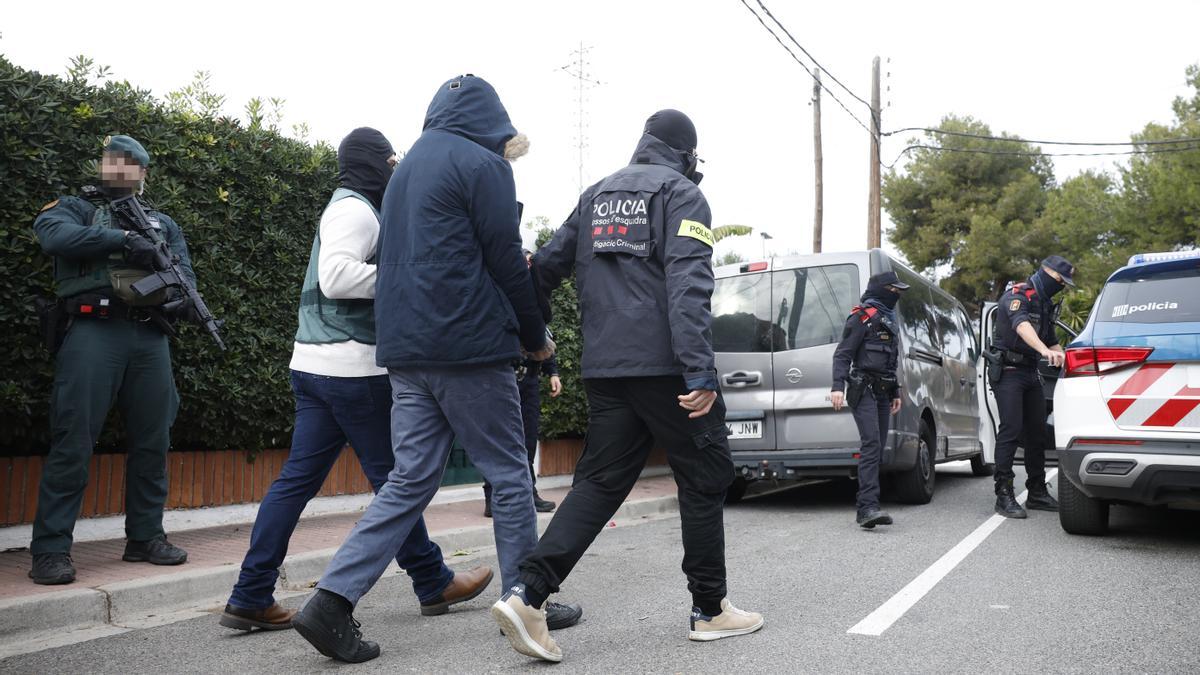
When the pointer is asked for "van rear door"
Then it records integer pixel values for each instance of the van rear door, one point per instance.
(741, 334)
(989, 417)
(810, 306)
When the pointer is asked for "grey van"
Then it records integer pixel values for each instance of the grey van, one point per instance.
(775, 327)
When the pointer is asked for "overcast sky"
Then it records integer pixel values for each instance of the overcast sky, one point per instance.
(1092, 71)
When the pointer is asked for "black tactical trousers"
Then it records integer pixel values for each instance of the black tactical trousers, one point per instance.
(1022, 407)
(873, 415)
(626, 417)
(102, 362)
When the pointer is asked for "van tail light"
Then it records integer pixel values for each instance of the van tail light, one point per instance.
(1099, 360)
(755, 267)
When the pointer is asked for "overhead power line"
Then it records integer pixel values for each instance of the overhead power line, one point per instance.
(810, 56)
(963, 134)
(1020, 153)
(807, 70)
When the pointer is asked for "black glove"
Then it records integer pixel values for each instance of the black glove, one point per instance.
(182, 308)
(142, 252)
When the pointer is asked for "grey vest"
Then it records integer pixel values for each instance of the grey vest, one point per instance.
(323, 320)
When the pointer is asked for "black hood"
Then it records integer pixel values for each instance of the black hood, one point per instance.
(363, 164)
(669, 139)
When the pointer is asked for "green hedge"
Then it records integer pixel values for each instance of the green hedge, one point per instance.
(565, 416)
(247, 200)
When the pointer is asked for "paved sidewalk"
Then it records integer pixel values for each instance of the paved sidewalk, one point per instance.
(99, 562)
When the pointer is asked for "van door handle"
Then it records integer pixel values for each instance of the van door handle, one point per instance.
(741, 379)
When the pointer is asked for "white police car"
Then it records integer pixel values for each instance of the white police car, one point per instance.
(1127, 409)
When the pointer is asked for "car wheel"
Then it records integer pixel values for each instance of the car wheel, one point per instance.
(737, 490)
(915, 486)
(1079, 513)
(980, 467)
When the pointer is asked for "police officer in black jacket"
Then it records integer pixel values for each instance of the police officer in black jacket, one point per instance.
(864, 375)
(640, 245)
(1024, 332)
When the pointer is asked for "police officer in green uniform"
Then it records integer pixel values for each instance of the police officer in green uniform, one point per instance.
(114, 350)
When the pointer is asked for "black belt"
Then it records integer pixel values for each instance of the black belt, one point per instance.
(103, 307)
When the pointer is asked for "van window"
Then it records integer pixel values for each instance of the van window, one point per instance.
(949, 332)
(1169, 297)
(741, 314)
(810, 304)
(968, 331)
(917, 321)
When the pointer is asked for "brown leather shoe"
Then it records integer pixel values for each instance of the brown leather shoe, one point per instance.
(464, 587)
(271, 618)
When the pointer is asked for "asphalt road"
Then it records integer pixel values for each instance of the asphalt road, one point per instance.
(1030, 598)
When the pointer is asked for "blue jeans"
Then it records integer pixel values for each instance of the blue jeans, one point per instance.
(431, 407)
(331, 411)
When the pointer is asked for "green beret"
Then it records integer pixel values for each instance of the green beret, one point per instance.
(127, 145)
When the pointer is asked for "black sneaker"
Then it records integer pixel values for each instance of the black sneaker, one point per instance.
(328, 624)
(51, 569)
(559, 616)
(543, 505)
(869, 518)
(157, 551)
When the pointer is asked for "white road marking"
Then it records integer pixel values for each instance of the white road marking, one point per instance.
(891, 611)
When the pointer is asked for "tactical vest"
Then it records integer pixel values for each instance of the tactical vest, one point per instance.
(110, 275)
(879, 350)
(324, 320)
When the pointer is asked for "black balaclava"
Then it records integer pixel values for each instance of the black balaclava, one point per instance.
(1046, 284)
(363, 164)
(877, 290)
(677, 130)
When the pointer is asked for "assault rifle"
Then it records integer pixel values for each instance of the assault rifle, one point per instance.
(167, 273)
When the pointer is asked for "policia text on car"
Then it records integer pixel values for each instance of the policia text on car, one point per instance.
(111, 346)
(1024, 332)
(864, 364)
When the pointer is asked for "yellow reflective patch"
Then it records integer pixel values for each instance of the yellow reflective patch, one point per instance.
(1014, 305)
(50, 205)
(696, 230)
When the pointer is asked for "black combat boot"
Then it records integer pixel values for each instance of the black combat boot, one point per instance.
(51, 569)
(157, 551)
(1039, 497)
(870, 517)
(1006, 503)
(327, 622)
(542, 505)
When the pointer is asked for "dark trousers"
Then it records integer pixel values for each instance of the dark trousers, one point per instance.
(331, 411)
(626, 416)
(1021, 403)
(531, 418)
(102, 362)
(873, 415)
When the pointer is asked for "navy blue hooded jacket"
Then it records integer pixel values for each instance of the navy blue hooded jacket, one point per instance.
(453, 287)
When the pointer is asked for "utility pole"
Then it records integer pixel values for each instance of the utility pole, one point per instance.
(819, 214)
(874, 205)
(578, 69)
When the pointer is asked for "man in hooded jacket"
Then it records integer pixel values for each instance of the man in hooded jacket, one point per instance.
(867, 357)
(454, 310)
(640, 246)
(341, 396)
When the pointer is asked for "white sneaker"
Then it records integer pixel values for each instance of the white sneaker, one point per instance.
(729, 623)
(525, 628)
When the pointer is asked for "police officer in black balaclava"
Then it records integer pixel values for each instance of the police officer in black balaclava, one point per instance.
(864, 372)
(1024, 333)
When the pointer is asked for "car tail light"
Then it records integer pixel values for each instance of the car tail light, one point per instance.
(1106, 441)
(1099, 360)
(755, 267)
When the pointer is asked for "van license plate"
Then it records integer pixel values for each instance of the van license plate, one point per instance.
(745, 429)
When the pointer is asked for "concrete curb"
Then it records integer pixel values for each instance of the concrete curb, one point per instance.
(172, 597)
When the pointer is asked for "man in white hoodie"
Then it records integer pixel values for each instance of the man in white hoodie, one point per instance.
(341, 396)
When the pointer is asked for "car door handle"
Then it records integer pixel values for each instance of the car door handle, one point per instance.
(741, 379)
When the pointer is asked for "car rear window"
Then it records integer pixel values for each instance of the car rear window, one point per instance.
(1172, 297)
